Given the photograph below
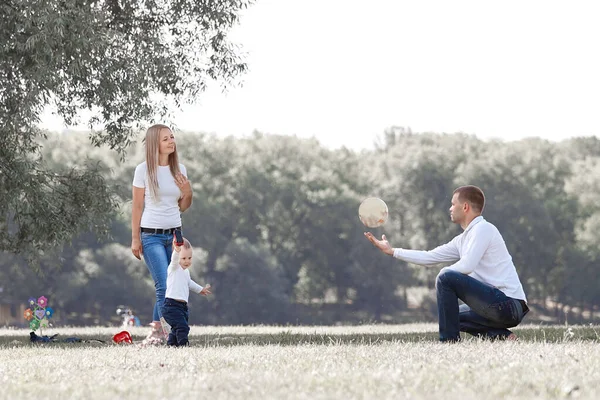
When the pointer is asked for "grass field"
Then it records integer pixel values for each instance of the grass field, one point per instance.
(359, 362)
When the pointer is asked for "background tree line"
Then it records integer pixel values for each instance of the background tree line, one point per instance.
(275, 227)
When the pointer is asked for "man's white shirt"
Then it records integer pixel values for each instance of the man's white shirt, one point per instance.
(480, 252)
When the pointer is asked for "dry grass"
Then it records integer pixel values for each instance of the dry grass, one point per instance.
(240, 330)
(365, 362)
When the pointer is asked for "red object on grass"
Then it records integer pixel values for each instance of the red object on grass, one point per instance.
(122, 337)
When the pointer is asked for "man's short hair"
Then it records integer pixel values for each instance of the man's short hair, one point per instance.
(473, 195)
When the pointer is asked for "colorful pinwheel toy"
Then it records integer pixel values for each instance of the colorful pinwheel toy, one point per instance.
(38, 313)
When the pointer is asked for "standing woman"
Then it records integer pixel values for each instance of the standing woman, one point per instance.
(161, 192)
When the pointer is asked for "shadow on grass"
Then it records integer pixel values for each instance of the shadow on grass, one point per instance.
(537, 334)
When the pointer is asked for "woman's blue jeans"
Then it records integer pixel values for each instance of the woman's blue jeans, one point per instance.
(157, 250)
(487, 311)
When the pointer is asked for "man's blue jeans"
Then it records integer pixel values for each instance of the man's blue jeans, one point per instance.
(487, 311)
(157, 250)
(176, 314)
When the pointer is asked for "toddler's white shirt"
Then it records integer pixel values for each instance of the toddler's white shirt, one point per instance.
(179, 282)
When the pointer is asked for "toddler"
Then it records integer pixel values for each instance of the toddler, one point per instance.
(179, 283)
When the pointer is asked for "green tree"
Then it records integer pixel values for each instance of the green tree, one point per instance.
(584, 186)
(249, 286)
(122, 62)
(416, 178)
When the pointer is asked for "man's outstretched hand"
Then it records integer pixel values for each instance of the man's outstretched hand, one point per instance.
(382, 244)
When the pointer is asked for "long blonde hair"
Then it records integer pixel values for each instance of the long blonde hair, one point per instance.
(152, 145)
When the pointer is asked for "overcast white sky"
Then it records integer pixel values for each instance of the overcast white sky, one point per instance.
(344, 70)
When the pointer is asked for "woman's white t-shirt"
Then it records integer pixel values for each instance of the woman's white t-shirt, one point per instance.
(164, 213)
